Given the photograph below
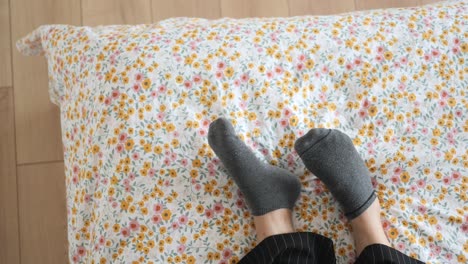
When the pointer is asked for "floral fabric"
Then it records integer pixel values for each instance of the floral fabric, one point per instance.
(143, 186)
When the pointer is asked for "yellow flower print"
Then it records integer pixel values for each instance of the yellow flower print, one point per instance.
(166, 214)
(293, 120)
(129, 144)
(229, 72)
(405, 177)
(146, 83)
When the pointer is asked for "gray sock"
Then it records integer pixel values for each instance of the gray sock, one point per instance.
(330, 155)
(265, 187)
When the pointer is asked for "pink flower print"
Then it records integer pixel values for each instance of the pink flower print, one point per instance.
(349, 66)
(362, 114)
(135, 156)
(162, 89)
(218, 208)
(173, 156)
(131, 176)
(378, 58)
(205, 123)
(287, 112)
(107, 101)
(404, 60)
(75, 180)
(188, 84)
(152, 172)
(269, 74)
(115, 94)
(422, 209)
(209, 213)
(219, 74)
(197, 79)
(183, 220)
(125, 232)
(300, 67)
(455, 50)
(244, 77)
(134, 225)
(243, 105)
(357, 61)
(138, 77)
(158, 208)
(424, 131)
(302, 57)
(221, 65)
(325, 69)
(395, 179)
(386, 225)
(87, 198)
(197, 187)
(181, 248)
(202, 132)
(435, 53)
(284, 122)
(442, 103)
(366, 103)
(227, 253)
(167, 161)
(154, 94)
(421, 183)
(400, 246)
(456, 175)
(75, 258)
(449, 256)
(278, 70)
(237, 82)
(413, 188)
(175, 225)
(427, 57)
(160, 116)
(374, 182)
(102, 240)
(380, 50)
(81, 251)
(240, 203)
(447, 180)
(184, 162)
(114, 205)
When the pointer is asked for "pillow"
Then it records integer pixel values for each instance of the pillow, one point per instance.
(136, 102)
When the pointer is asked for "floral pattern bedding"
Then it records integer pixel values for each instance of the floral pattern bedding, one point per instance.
(143, 186)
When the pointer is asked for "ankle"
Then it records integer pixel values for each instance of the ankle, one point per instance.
(367, 228)
(273, 223)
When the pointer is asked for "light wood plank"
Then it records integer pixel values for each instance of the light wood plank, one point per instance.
(42, 207)
(9, 237)
(319, 7)
(257, 8)
(372, 4)
(106, 12)
(163, 9)
(37, 120)
(5, 51)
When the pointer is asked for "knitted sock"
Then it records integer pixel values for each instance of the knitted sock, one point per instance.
(330, 155)
(265, 187)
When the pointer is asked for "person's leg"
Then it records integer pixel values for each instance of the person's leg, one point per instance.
(367, 228)
(330, 155)
(270, 192)
(273, 223)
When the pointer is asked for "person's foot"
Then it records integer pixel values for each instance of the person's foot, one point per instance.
(265, 187)
(330, 155)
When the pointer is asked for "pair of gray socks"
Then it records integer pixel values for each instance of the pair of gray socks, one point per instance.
(327, 153)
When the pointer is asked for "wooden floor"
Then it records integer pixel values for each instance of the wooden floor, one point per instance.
(32, 191)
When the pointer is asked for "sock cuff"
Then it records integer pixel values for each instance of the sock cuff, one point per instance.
(355, 213)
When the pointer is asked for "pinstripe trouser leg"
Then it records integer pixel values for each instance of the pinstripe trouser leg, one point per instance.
(310, 248)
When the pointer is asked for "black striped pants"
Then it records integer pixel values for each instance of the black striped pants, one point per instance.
(306, 247)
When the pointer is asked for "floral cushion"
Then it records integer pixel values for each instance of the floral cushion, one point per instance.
(143, 185)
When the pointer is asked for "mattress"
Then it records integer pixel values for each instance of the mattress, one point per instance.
(143, 185)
